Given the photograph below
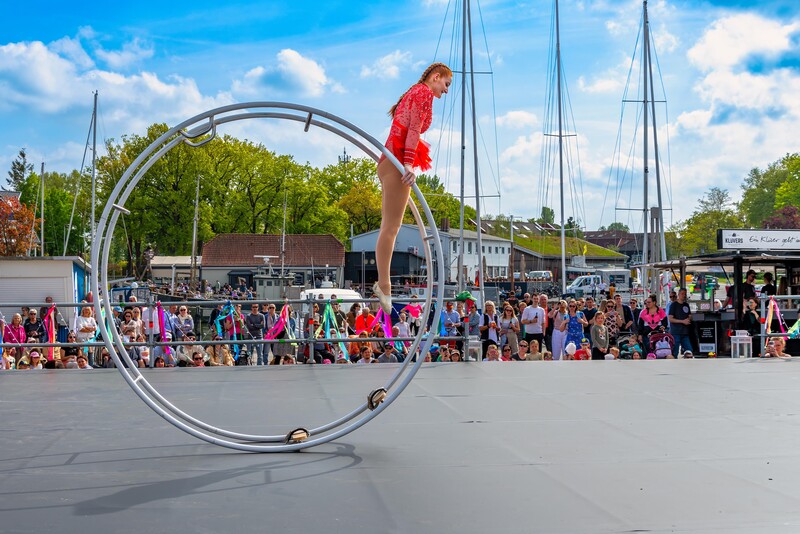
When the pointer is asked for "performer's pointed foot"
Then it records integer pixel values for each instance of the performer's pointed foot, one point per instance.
(384, 299)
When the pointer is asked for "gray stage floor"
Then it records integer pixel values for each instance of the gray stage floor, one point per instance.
(568, 447)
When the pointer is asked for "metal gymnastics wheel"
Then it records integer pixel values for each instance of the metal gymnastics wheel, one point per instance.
(195, 132)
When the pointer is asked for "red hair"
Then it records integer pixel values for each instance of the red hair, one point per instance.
(434, 68)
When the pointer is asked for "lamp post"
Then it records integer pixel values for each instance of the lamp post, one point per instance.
(344, 159)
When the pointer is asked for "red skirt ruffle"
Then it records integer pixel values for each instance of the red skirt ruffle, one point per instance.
(397, 144)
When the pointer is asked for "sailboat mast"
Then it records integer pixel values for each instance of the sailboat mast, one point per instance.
(41, 212)
(645, 209)
(656, 157)
(94, 163)
(561, 156)
(460, 275)
(475, 158)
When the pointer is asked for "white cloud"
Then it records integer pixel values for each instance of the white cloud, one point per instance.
(610, 81)
(131, 53)
(518, 119)
(292, 74)
(387, 67)
(525, 150)
(734, 39)
(73, 50)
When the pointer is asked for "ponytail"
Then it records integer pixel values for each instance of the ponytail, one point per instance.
(434, 68)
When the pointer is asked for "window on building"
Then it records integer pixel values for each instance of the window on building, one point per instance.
(455, 246)
(497, 250)
(469, 247)
(483, 249)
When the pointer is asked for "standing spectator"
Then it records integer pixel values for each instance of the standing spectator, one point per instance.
(588, 314)
(255, 323)
(752, 322)
(403, 328)
(600, 339)
(85, 325)
(612, 324)
(128, 326)
(680, 320)
(560, 322)
(547, 327)
(490, 332)
(183, 322)
(137, 319)
(768, 289)
(576, 321)
(450, 320)
(338, 313)
(352, 315)
(34, 327)
(635, 311)
(15, 332)
(509, 327)
(474, 322)
(533, 320)
(624, 315)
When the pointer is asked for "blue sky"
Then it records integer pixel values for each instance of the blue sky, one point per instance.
(731, 73)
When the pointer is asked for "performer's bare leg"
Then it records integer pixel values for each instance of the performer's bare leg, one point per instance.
(394, 196)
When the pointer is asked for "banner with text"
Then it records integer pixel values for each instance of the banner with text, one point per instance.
(766, 240)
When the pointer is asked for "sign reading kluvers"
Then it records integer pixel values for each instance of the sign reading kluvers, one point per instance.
(762, 240)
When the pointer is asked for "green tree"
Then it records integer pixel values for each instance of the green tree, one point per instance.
(787, 193)
(618, 227)
(760, 189)
(20, 168)
(362, 204)
(715, 210)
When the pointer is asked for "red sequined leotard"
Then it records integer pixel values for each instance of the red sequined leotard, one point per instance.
(412, 118)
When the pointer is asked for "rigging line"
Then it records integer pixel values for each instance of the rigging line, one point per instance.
(441, 31)
(581, 210)
(494, 100)
(92, 123)
(666, 124)
(618, 143)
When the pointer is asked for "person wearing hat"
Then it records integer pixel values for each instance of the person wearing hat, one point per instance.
(688, 354)
(34, 327)
(23, 364)
(35, 357)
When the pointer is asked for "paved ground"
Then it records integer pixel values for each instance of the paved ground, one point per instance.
(565, 447)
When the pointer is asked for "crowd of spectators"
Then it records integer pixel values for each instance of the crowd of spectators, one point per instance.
(529, 328)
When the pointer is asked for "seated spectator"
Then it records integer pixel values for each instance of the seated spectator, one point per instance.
(342, 360)
(69, 353)
(288, 359)
(533, 352)
(455, 355)
(584, 352)
(159, 362)
(105, 359)
(9, 359)
(388, 355)
(219, 355)
(198, 359)
(522, 353)
(365, 355)
(24, 364)
(547, 356)
(776, 348)
(83, 362)
(506, 354)
(35, 356)
(492, 354)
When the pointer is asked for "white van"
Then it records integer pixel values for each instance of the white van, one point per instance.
(583, 285)
(325, 293)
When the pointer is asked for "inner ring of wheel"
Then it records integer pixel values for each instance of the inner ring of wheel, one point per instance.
(205, 124)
